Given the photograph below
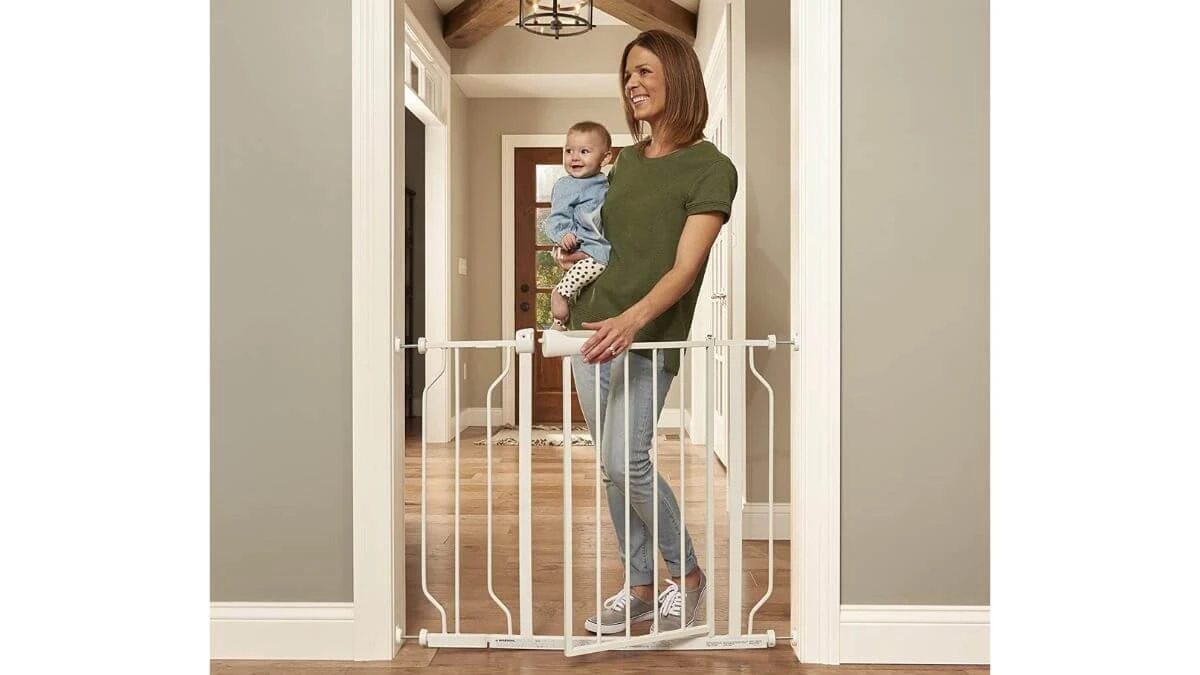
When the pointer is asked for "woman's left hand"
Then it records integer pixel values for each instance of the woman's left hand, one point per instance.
(613, 336)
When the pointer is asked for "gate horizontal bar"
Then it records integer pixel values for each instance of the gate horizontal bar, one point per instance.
(555, 642)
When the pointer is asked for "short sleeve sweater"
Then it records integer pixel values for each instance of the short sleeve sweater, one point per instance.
(649, 200)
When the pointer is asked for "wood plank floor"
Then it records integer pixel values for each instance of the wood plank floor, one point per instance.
(478, 613)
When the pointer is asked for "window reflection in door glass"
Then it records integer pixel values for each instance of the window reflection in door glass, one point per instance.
(546, 175)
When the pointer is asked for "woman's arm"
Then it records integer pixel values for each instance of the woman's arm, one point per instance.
(699, 232)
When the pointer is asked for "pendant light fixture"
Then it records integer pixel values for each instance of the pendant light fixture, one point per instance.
(555, 18)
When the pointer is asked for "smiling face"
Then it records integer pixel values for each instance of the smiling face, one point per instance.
(645, 85)
(584, 153)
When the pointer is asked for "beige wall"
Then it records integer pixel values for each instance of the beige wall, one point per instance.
(280, 307)
(708, 19)
(461, 199)
(768, 237)
(514, 50)
(915, 302)
(490, 119)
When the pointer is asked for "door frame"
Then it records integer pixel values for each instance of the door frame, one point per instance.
(376, 470)
(438, 280)
(815, 308)
(508, 266)
(815, 299)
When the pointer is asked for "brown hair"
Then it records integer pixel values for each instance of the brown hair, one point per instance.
(589, 127)
(686, 111)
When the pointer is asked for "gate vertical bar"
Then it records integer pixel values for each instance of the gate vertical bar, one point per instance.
(525, 476)
(599, 488)
(734, 497)
(568, 508)
(425, 489)
(770, 493)
(682, 485)
(654, 474)
(628, 552)
(457, 494)
(710, 533)
(488, 415)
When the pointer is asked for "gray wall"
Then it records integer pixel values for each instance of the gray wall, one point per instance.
(280, 463)
(768, 237)
(915, 302)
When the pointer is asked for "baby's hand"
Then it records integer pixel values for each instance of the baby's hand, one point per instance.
(569, 242)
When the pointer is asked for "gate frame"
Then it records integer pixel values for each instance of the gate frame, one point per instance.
(815, 314)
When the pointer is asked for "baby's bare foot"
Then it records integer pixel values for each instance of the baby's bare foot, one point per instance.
(559, 307)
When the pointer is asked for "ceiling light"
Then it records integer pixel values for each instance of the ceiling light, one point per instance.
(555, 18)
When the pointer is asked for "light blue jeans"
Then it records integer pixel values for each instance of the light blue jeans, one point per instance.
(643, 411)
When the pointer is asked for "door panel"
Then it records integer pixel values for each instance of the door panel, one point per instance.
(536, 171)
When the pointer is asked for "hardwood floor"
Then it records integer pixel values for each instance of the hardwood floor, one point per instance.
(478, 613)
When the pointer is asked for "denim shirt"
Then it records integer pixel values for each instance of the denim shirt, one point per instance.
(575, 207)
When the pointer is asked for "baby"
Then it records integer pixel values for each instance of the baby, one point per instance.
(574, 220)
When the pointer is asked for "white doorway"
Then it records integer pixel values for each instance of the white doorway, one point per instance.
(378, 542)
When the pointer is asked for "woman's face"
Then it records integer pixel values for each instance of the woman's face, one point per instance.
(645, 86)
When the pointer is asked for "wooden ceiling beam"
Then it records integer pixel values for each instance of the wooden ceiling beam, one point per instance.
(474, 20)
(652, 14)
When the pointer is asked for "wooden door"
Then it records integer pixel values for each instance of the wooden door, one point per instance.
(536, 170)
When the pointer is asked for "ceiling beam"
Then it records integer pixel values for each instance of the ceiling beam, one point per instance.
(474, 20)
(652, 14)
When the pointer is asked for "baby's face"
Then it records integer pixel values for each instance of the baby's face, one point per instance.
(584, 154)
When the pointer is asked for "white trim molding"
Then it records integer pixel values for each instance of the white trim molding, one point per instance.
(378, 550)
(951, 634)
(816, 325)
(437, 209)
(282, 630)
(477, 417)
(508, 144)
(756, 519)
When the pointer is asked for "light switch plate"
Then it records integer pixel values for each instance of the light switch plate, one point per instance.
(462, 266)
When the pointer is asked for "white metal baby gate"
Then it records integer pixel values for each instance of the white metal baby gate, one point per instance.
(699, 636)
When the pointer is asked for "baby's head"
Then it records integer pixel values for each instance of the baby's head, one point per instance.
(588, 147)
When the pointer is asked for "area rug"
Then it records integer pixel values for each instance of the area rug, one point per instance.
(542, 434)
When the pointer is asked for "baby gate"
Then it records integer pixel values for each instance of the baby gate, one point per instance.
(699, 636)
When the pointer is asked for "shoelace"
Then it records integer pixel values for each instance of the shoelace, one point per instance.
(617, 602)
(670, 601)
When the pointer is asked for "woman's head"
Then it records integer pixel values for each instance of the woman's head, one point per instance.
(662, 85)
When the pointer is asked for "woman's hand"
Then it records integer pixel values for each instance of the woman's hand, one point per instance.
(569, 242)
(613, 336)
(565, 260)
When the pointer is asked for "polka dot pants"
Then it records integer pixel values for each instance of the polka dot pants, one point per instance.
(581, 274)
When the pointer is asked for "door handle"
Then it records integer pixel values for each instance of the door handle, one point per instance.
(524, 306)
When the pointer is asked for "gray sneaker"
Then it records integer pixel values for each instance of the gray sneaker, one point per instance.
(670, 605)
(612, 617)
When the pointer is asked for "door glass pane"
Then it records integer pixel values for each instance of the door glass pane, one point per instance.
(548, 272)
(546, 175)
(542, 215)
(544, 318)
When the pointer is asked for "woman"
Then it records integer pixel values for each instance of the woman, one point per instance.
(669, 195)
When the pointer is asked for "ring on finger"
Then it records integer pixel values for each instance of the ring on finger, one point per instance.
(612, 350)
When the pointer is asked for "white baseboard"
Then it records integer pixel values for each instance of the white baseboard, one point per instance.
(755, 520)
(477, 417)
(669, 420)
(920, 634)
(282, 630)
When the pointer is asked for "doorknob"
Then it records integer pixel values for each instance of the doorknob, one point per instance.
(524, 306)
(524, 288)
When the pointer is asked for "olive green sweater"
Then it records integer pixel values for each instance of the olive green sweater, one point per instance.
(649, 199)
